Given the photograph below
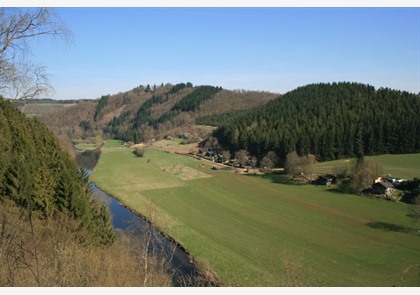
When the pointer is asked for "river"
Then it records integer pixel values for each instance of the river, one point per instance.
(122, 218)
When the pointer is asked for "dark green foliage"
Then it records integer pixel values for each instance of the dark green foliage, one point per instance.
(85, 125)
(331, 121)
(101, 104)
(192, 101)
(219, 119)
(38, 175)
(115, 127)
(179, 87)
(165, 117)
(130, 130)
(189, 103)
(143, 115)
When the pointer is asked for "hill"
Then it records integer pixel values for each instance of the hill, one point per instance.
(36, 174)
(331, 121)
(146, 112)
(53, 230)
(38, 107)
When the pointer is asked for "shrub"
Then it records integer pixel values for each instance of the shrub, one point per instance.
(139, 151)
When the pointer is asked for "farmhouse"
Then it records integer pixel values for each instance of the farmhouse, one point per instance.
(325, 180)
(210, 153)
(393, 181)
(382, 188)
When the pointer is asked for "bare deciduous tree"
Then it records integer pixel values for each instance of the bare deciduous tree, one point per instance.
(242, 157)
(299, 165)
(269, 160)
(364, 172)
(226, 155)
(19, 78)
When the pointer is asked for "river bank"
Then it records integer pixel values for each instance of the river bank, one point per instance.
(185, 271)
(250, 228)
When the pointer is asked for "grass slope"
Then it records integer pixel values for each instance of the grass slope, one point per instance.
(263, 231)
(85, 146)
(401, 166)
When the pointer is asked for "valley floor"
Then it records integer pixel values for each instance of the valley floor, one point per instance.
(261, 230)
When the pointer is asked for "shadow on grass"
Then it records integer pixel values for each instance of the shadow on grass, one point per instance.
(278, 178)
(391, 227)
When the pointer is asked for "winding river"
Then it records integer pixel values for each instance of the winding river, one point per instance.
(122, 218)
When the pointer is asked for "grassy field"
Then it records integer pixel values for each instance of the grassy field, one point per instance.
(85, 146)
(263, 230)
(37, 109)
(405, 166)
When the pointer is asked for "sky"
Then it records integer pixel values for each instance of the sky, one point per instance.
(274, 49)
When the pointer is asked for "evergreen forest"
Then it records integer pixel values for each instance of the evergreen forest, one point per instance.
(53, 230)
(143, 117)
(330, 121)
(36, 174)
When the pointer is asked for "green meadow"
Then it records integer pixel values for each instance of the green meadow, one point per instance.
(86, 146)
(265, 230)
(405, 166)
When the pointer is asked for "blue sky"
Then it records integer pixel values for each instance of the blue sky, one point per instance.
(271, 49)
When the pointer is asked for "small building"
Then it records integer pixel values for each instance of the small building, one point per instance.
(219, 158)
(398, 181)
(325, 180)
(210, 154)
(382, 188)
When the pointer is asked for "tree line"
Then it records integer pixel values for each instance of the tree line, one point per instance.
(99, 107)
(36, 174)
(330, 121)
(143, 118)
(192, 101)
(53, 231)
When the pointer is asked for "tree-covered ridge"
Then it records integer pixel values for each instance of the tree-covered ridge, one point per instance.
(331, 121)
(114, 127)
(144, 114)
(101, 104)
(143, 119)
(192, 101)
(178, 87)
(219, 119)
(37, 175)
(126, 127)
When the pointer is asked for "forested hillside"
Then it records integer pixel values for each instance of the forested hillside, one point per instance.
(150, 112)
(36, 174)
(331, 121)
(143, 119)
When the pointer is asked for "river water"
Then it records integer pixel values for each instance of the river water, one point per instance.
(122, 218)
